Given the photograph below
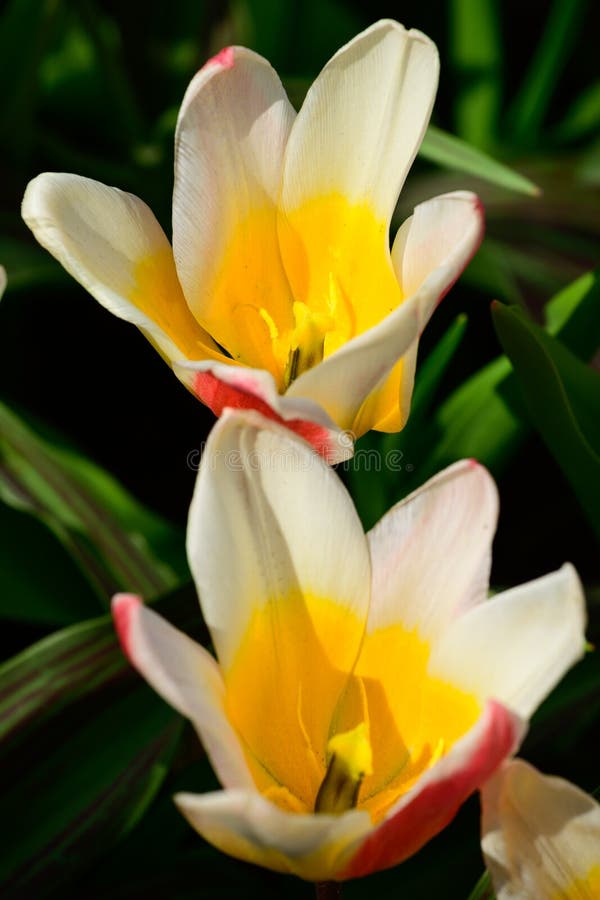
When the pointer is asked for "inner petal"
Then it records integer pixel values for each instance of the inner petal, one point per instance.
(248, 305)
(283, 689)
(337, 260)
(414, 719)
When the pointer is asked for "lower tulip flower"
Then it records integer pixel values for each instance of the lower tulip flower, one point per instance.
(280, 292)
(365, 685)
(541, 836)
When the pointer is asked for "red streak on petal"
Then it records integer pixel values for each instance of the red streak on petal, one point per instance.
(124, 607)
(398, 837)
(218, 395)
(225, 58)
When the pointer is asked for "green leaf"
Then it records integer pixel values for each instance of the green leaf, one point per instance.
(54, 591)
(583, 117)
(531, 104)
(431, 372)
(28, 265)
(85, 745)
(562, 396)
(452, 153)
(117, 542)
(26, 27)
(483, 890)
(572, 315)
(477, 56)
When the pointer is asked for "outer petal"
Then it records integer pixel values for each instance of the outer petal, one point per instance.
(439, 239)
(220, 386)
(346, 384)
(363, 120)
(2, 280)
(431, 553)
(282, 569)
(540, 836)
(425, 810)
(232, 129)
(112, 244)
(517, 645)
(247, 826)
(187, 677)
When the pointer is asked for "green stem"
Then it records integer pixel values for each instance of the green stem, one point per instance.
(328, 890)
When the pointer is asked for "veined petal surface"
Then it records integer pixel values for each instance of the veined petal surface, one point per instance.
(540, 836)
(232, 129)
(111, 243)
(431, 553)
(346, 159)
(518, 644)
(282, 569)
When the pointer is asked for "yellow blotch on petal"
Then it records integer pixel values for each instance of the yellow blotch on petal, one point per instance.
(414, 719)
(337, 261)
(283, 688)
(586, 888)
(156, 292)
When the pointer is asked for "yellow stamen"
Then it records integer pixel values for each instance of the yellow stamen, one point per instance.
(350, 760)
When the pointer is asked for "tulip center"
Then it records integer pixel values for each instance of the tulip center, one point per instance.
(350, 759)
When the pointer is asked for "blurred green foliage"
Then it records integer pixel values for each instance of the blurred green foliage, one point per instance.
(90, 756)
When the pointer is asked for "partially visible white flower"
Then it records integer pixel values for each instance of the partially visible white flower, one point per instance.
(540, 836)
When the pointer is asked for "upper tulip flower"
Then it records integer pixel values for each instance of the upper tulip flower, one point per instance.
(541, 836)
(280, 292)
(364, 686)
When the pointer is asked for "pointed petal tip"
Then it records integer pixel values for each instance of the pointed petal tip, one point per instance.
(124, 607)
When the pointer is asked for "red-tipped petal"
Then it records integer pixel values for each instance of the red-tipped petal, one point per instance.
(223, 386)
(434, 802)
(124, 607)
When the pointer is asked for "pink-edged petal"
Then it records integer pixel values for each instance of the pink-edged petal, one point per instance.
(518, 644)
(426, 809)
(187, 677)
(245, 825)
(232, 129)
(112, 244)
(440, 237)
(352, 384)
(431, 553)
(540, 836)
(2, 280)
(225, 386)
(363, 120)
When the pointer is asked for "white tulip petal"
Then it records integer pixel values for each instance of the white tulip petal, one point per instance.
(187, 677)
(231, 133)
(247, 826)
(540, 836)
(111, 243)
(517, 645)
(260, 526)
(363, 120)
(431, 553)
